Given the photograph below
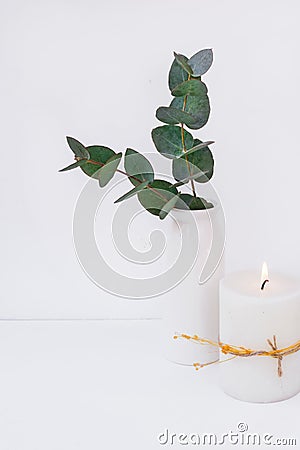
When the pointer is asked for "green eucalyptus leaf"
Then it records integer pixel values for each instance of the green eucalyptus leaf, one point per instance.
(154, 200)
(182, 61)
(186, 180)
(198, 107)
(168, 141)
(199, 146)
(201, 62)
(138, 166)
(106, 172)
(181, 168)
(190, 87)
(192, 203)
(78, 148)
(199, 162)
(98, 154)
(177, 74)
(133, 191)
(168, 206)
(180, 183)
(173, 116)
(73, 166)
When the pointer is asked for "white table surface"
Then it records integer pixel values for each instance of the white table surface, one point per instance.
(93, 385)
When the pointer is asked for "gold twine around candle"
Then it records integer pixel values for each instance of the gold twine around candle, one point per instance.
(243, 352)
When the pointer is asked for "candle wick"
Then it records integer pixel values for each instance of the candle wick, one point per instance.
(264, 283)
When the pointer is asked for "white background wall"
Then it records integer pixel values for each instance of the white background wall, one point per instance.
(97, 70)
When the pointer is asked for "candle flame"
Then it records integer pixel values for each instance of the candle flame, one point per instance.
(264, 273)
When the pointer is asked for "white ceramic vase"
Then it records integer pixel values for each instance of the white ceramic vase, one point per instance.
(192, 307)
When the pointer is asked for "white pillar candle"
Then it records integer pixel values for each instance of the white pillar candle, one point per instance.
(249, 317)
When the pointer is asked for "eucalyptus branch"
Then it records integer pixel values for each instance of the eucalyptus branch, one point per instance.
(192, 160)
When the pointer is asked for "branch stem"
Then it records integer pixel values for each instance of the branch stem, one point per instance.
(184, 147)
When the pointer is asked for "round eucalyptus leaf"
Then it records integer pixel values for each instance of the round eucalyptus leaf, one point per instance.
(197, 106)
(198, 162)
(201, 62)
(188, 201)
(106, 172)
(78, 148)
(133, 192)
(168, 140)
(186, 180)
(100, 155)
(199, 146)
(154, 201)
(168, 207)
(173, 116)
(138, 166)
(190, 87)
(182, 61)
(177, 74)
(74, 165)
